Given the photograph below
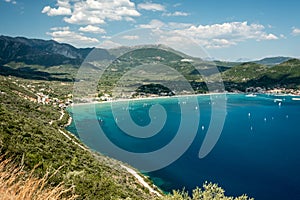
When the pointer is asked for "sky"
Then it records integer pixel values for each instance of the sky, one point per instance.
(226, 30)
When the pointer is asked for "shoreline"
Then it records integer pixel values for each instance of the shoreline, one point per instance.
(177, 96)
(141, 180)
(151, 98)
(135, 172)
(69, 121)
(131, 170)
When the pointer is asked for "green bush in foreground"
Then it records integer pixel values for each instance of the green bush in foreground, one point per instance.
(210, 191)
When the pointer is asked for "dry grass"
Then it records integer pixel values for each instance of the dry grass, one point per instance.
(14, 185)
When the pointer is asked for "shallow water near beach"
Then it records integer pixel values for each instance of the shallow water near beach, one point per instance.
(258, 152)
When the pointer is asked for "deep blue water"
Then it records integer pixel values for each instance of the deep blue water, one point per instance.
(258, 152)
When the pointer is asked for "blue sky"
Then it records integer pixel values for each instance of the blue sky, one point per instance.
(227, 30)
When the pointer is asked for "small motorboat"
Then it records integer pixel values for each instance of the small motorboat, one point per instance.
(251, 95)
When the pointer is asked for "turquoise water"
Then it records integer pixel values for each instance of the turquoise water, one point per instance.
(258, 152)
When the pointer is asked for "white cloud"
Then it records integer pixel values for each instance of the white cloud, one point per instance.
(176, 25)
(282, 36)
(66, 28)
(10, 1)
(151, 6)
(219, 43)
(295, 31)
(227, 34)
(129, 19)
(131, 37)
(153, 24)
(108, 44)
(65, 35)
(212, 36)
(63, 8)
(89, 12)
(92, 29)
(177, 13)
(56, 11)
(106, 37)
(174, 40)
(177, 5)
(269, 37)
(63, 3)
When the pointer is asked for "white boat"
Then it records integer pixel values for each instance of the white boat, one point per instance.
(251, 95)
(296, 99)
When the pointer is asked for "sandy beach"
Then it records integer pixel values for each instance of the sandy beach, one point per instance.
(150, 98)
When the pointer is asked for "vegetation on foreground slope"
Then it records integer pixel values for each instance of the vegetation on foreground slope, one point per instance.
(31, 133)
(28, 138)
(15, 184)
(32, 142)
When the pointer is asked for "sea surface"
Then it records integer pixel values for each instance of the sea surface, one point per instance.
(257, 153)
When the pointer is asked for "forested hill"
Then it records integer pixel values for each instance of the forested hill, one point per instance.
(283, 75)
(32, 130)
(43, 52)
(29, 134)
(53, 61)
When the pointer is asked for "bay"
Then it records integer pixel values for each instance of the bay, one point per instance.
(258, 152)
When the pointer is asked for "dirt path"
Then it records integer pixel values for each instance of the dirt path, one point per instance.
(67, 136)
(62, 113)
(141, 180)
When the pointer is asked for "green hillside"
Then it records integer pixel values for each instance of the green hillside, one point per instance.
(244, 72)
(33, 136)
(32, 133)
(284, 75)
(149, 57)
(272, 61)
(27, 136)
(286, 70)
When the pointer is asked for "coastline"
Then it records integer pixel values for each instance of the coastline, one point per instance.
(141, 180)
(187, 95)
(135, 172)
(152, 98)
(69, 121)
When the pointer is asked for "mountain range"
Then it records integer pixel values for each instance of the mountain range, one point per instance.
(52, 53)
(31, 132)
(50, 60)
(271, 61)
(43, 52)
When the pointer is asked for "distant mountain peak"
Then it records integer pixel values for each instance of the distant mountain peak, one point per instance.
(271, 61)
(291, 62)
(244, 60)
